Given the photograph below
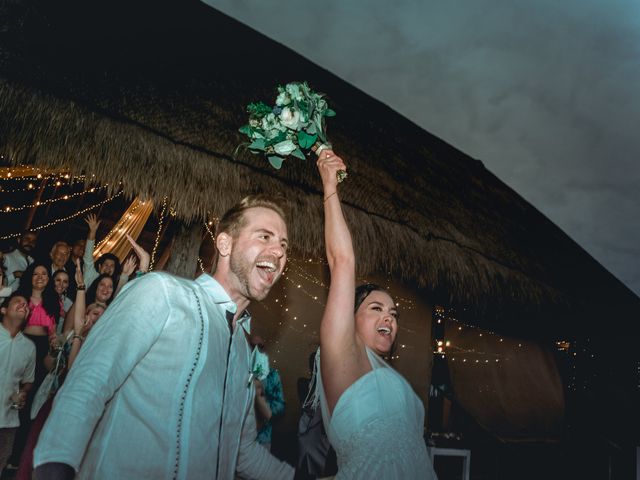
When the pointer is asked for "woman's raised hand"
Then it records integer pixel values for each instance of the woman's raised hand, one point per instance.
(328, 165)
(142, 254)
(129, 266)
(79, 275)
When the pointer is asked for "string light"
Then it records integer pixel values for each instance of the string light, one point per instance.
(118, 226)
(51, 200)
(63, 219)
(30, 186)
(201, 265)
(10, 177)
(207, 225)
(157, 241)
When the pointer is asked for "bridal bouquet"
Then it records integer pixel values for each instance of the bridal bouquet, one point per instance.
(293, 126)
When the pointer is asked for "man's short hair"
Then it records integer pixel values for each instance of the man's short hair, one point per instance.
(61, 243)
(233, 220)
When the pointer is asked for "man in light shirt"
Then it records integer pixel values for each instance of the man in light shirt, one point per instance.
(60, 252)
(17, 261)
(161, 388)
(18, 360)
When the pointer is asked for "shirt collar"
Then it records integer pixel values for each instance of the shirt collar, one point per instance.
(6, 333)
(219, 296)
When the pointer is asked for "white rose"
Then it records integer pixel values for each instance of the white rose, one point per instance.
(283, 99)
(290, 118)
(294, 91)
(284, 148)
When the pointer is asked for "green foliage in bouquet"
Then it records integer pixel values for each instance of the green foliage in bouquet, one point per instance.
(291, 127)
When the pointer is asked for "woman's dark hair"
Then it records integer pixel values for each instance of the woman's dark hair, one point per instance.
(362, 292)
(50, 300)
(109, 256)
(93, 289)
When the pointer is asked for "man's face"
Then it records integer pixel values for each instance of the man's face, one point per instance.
(258, 253)
(78, 248)
(18, 309)
(108, 266)
(27, 242)
(60, 255)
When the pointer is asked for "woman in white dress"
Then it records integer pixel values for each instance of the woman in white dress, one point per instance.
(372, 416)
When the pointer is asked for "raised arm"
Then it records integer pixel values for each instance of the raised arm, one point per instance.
(128, 268)
(78, 315)
(343, 358)
(90, 272)
(144, 259)
(93, 224)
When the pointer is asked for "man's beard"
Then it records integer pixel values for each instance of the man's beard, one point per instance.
(242, 269)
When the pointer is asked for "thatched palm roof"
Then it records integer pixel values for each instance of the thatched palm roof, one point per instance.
(153, 94)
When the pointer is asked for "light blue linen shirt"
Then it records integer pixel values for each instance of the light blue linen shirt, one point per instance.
(161, 390)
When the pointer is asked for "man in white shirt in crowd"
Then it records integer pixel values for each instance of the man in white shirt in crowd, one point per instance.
(59, 255)
(162, 387)
(18, 260)
(18, 360)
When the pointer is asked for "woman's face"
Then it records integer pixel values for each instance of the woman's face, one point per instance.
(377, 322)
(40, 278)
(92, 316)
(61, 283)
(104, 290)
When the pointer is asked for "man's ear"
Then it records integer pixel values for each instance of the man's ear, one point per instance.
(3, 310)
(223, 244)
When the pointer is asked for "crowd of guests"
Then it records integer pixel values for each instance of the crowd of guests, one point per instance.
(49, 306)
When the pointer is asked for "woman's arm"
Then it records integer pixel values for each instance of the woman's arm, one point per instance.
(67, 326)
(343, 358)
(128, 267)
(90, 272)
(79, 307)
(144, 258)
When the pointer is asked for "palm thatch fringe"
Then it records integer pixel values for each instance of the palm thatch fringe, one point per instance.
(45, 131)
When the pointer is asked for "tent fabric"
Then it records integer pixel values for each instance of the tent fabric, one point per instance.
(511, 387)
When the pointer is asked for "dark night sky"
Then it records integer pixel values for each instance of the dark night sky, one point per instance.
(545, 93)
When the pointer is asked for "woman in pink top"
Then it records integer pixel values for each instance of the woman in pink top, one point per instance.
(44, 304)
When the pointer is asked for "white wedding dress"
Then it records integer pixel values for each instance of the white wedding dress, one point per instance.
(377, 427)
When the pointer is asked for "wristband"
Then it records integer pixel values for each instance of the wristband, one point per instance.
(81, 287)
(79, 337)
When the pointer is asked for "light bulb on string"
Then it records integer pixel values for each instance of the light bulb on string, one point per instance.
(50, 201)
(157, 240)
(62, 219)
